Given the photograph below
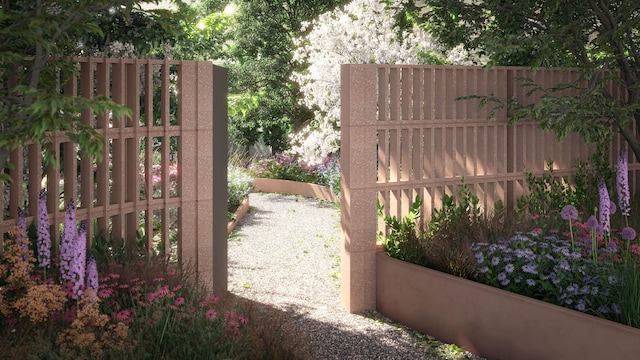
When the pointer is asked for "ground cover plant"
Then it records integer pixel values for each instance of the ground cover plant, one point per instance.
(68, 305)
(585, 260)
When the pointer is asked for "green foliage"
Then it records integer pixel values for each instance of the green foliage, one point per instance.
(600, 38)
(403, 241)
(239, 186)
(38, 40)
(549, 192)
(452, 210)
(261, 69)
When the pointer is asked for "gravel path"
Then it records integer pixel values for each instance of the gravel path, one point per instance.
(285, 253)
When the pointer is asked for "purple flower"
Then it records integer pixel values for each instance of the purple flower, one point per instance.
(92, 273)
(628, 233)
(612, 208)
(622, 180)
(44, 236)
(79, 262)
(509, 268)
(531, 282)
(592, 223)
(616, 308)
(22, 226)
(569, 212)
(530, 268)
(495, 261)
(68, 242)
(604, 204)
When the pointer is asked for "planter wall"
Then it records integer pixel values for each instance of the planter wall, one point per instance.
(494, 323)
(240, 212)
(294, 188)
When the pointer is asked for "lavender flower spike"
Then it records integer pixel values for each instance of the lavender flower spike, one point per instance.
(44, 236)
(622, 180)
(92, 273)
(604, 204)
(79, 264)
(67, 243)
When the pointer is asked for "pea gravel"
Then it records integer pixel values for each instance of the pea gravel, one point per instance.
(286, 253)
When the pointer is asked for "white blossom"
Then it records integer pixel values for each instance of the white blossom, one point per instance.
(361, 32)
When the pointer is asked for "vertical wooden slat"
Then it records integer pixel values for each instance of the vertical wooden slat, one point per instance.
(132, 158)
(16, 196)
(383, 156)
(405, 156)
(86, 162)
(148, 153)
(35, 177)
(418, 93)
(118, 154)
(416, 154)
(394, 94)
(383, 94)
(406, 97)
(394, 156)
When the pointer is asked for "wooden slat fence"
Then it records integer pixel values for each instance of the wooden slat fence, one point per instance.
(404, 134)
(164, 169)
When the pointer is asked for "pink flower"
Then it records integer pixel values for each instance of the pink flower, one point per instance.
(151, 296)
(163, 291)
(105, 293)
(211, 314)
(123, 315)
(179, 301)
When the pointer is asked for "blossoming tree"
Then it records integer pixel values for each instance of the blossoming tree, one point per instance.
(363, 31)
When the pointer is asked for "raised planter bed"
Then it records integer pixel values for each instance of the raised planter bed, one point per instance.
(240, 212)
(294, 188)
(494, 323)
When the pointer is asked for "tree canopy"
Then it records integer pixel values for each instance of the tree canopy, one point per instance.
(38, 42)
(601, 37)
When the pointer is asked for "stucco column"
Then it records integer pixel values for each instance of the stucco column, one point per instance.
(358, 180)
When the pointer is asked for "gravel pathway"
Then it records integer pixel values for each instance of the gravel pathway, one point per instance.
(285, 253)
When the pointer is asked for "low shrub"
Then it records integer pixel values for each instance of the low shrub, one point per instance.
(290, 167)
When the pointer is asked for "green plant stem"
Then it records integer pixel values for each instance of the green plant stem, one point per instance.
(571, 232)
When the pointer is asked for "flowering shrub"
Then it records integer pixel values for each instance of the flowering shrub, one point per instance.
(239, 184)
(360, 32)
(61, 307)
(292, 167)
